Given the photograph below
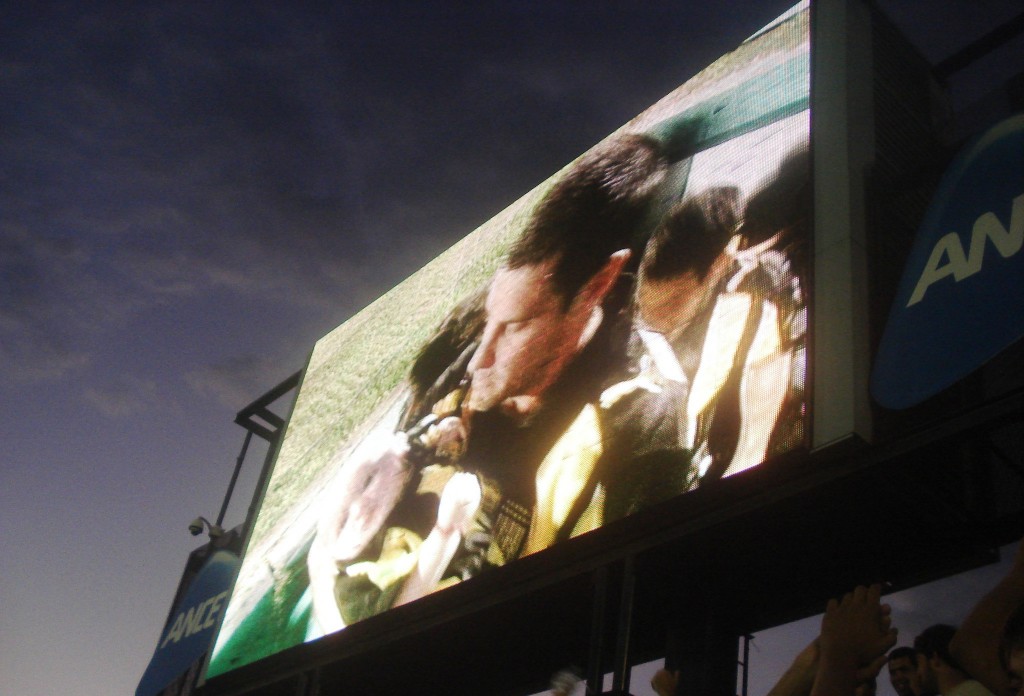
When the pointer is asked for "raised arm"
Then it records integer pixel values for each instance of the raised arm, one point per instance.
(856, 634)
(977, 642)
(798, 679)
(360, 499)
(459, 502)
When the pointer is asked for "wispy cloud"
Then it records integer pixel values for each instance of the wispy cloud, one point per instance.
(125, 396)
(169, 156)
(36, 329)
(236, 381)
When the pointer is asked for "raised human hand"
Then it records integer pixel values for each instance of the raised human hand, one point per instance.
(459, 502)
(367, 488)
(856, 634)
(447, 437)
(664, 682)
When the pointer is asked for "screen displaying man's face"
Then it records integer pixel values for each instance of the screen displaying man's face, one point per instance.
(391, 482)
(527, 340)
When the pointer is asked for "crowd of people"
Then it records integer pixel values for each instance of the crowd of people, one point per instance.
(984, 656)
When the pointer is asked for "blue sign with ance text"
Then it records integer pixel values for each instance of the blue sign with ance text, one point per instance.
(188, 636)
(961, 299)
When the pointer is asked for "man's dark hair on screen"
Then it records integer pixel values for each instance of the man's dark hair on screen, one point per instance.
(597, 208)
(692, 235)
(441, 362)
(784, 202)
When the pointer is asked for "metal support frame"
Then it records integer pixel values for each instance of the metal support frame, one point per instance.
(595, 675)
(745, 665)
(621, 670)
(234, 478)
(980, 47)
(246, 418)
(259, 409)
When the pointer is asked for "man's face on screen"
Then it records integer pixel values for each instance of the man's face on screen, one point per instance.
(668, 306)
(528, 338)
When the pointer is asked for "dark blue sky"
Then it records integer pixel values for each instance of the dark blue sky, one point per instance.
(192, 193)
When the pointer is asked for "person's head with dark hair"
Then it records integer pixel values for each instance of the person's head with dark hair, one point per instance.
(1013, 634)
(548, 299)
(783, 203)
(597, 208)
(692, 235)
(903, 671)
(685, 259)
(1011, 649)
(937, 671)
(934, 642)
(441, 363)
(902, 652)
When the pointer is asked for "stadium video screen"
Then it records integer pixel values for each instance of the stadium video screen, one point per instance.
(628, 331)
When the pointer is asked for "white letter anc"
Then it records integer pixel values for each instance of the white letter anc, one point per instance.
(176, 629)
(948, 246)
(1006, 241)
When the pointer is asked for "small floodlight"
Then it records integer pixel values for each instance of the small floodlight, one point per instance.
(196, 527)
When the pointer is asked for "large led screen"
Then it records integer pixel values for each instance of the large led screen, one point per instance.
(630, 330)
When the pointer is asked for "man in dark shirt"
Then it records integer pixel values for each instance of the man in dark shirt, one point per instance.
(554, 332)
